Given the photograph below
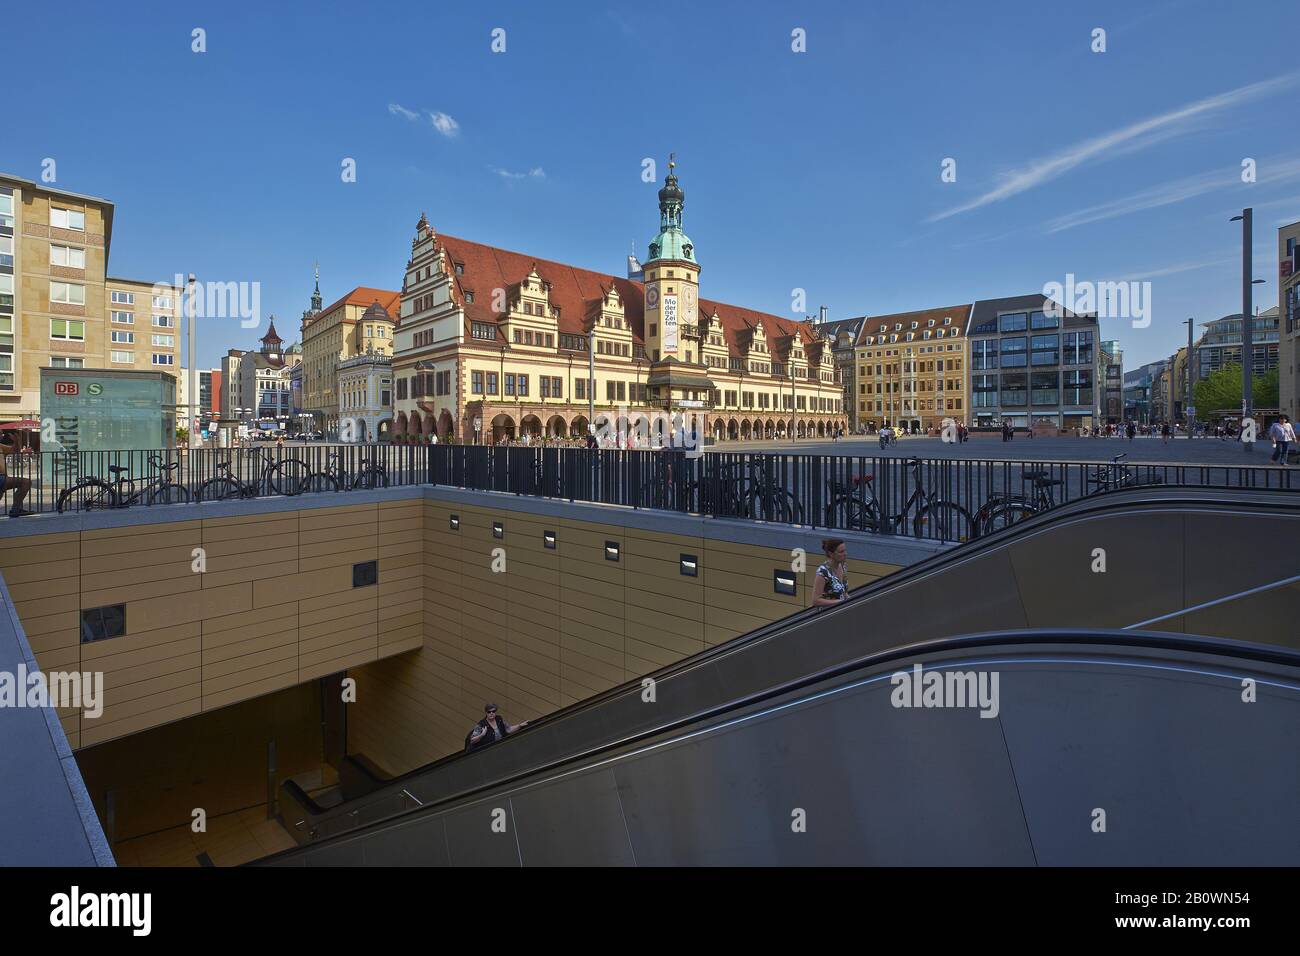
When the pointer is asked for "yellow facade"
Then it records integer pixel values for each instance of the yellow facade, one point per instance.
(912, 370)
(143, 326)
(339, 332)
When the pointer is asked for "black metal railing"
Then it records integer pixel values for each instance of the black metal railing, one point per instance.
(942, 499)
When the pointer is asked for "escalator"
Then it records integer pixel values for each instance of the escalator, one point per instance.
(790, 716)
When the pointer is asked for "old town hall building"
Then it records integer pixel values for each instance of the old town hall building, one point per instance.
(493, 345)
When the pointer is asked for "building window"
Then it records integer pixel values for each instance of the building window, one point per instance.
(123, 298)
(60, 361)
(580, 388)
(460, 268)
(126, 318)
(165, 341)
(1013, 322)
(1046, 350)
(1041, 320)
(122, 358)
(67, 219)
(510, 383)
(160, 359)
(1014, 387)
(557, 391)
(67, 293)
(164, 322)
(1078, 348)
(1013, 352)
(523, 385)
(483, 330)
(59, 256)
(7, 208)
(1078, 386)
(102, 623)
(1044, 388)
(469, 296)
(491, 383)
(123, 338)
(71, 330)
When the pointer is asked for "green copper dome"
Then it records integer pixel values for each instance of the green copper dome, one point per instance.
(671, 243)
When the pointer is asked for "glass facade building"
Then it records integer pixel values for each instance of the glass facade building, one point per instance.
(102, 410)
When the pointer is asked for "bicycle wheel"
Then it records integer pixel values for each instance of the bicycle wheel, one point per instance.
(169, 494)
(88, 494)
(372, 477)
(852, 514)
(1004, 516)
(318, 481)
(221, 488)
(288, 477)
(944, 520)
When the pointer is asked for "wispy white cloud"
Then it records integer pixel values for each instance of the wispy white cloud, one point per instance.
(1136, 136)
(444, 124)
(1181, 267)
(398, 110)
(1177, 191)
(535, 173)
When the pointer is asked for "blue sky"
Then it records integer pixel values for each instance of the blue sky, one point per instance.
(817, 170)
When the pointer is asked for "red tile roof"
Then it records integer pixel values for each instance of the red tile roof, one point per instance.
(363, 296)
(577, 291)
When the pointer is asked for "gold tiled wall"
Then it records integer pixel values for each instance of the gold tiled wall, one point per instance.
(275, 606)
(557, 626)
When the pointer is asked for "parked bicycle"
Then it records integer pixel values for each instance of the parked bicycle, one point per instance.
(857, 508)
(754, 493)
(95, 494)
(287, 476)
(1003, 510)
(1119, 474)
(336, 478)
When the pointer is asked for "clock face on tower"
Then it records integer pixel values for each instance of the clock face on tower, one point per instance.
(652, 297)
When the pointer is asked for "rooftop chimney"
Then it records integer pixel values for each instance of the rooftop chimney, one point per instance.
(821, 315)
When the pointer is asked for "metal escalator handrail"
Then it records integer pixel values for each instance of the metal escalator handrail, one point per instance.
(1272, 585)
(1168, 495)
(1162, 641)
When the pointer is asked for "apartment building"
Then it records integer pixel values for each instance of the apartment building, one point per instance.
(912, 368)
(143, 319)
(1288, 306)
(493, 344)
(338, 332)
(58, 306)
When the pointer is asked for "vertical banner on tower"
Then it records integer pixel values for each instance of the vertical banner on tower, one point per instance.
(669, 315)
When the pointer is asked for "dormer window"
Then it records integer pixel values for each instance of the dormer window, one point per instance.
(947, 320)
(915, 324)
(469, 296)
(460, 268)
(931, 323)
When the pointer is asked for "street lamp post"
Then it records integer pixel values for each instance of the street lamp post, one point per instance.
(591, 379)
(192, 405)
(1247, 315)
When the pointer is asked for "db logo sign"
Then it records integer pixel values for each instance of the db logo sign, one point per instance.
(65, 388)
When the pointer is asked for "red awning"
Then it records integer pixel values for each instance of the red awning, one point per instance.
(27, 424)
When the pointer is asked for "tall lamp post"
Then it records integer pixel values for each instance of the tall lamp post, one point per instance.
(1247, 316)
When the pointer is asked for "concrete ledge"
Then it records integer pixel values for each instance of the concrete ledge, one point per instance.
(887, 549)
(46, 815)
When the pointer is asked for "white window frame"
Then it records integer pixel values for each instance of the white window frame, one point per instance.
(68, 325)
(69, 286)
(69, 217)
(122, 337)
(115, 355)
(162, 302)
(65, 359)
(169, 359)
(170, 342)
(123, 318)
(69, 253)
(6, 209)
(122, 298)
(168, 321)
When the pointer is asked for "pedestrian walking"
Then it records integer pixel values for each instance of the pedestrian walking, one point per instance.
(1283, 434)
(1164, 433)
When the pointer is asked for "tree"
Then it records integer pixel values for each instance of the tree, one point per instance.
(1221, 390)
(182, 436)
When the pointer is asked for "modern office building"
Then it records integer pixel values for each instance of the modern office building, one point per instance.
(1288, 305)
(1113, 399)
(492, 344)
(1220, 344)
(337, 332)
(912, 369)
(1033, 361)
(1138, 385)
